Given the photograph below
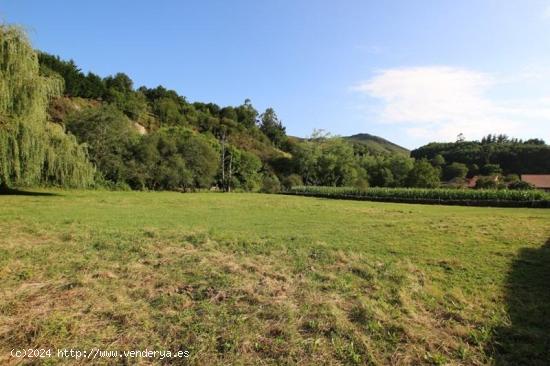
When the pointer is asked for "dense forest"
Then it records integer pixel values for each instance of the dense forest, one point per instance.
(60, 126)
(512, 156)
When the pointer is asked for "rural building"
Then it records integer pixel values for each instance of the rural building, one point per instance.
(540, 181)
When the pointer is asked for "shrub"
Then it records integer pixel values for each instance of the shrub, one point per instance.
(486, 183)
(423, 175)
(509, 178)
(271, 184)
(361, 183)
(455, 170)
(292, 181)
(456, 183)
(521, 186)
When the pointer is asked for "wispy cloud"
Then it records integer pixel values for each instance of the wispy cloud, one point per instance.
(439, 102)
(546, 12)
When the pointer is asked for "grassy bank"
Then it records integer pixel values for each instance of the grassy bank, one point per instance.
(273, 279)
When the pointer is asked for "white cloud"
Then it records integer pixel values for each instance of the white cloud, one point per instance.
(439, 102)
(546, 12)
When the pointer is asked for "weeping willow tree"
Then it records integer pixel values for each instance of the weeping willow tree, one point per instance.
(33, 151)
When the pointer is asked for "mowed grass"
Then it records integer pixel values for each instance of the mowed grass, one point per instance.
(271, 279)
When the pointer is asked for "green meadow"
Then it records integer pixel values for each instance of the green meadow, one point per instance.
(261, 279)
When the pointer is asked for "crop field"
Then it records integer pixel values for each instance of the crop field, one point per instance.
(259, 279)
(452, 196)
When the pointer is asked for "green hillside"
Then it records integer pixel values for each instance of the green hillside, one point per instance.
(377, 145)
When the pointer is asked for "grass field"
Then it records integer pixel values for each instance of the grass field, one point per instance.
(271, 279)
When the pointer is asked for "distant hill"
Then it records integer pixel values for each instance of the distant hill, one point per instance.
(377, 145)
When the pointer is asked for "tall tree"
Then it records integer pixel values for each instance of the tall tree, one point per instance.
(32, 151)
(108, 134)
(272, 127)
(423, 175)
(246, 114)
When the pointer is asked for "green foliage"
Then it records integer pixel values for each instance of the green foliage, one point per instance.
(336, 165)
(173, 158)
(248, 170)
(169, 108)
(228, 113)
(272, 127)
(509, 178)
(438, 160)
(109, 135)
(241, 170)
(489, 182)
(158, 160)
(76, 83)
(362, 160)
(66, 163)
(520, 185)
(380, 176)
(132, 104)
(387, 171)
(119, 82)
(270, 184)
(423, 175)
(31, 150)
(514, 156)
(169, 158)
(168, 112)
(246, 115)
(364, 143)
(455, 170)
(292, 180)
(491, 169)
(327, 161)
(400, 167)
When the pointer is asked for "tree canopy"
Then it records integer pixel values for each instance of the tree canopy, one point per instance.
(512, 155)
(33, 151)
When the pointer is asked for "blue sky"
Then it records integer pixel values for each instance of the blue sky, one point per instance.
(409, 71)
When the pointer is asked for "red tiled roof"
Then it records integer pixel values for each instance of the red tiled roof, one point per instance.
(538, 180)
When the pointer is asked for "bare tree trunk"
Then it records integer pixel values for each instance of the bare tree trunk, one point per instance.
(229, 182)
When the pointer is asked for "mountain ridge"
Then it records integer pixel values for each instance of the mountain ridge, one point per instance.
(377, 144)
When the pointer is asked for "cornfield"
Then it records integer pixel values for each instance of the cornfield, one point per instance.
(468, 197)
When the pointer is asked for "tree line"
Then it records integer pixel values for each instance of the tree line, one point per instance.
(154, 161)
(183, 145)
(493, 154)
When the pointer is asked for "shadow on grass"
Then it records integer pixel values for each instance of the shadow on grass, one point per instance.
(17, 192)
(527, 340)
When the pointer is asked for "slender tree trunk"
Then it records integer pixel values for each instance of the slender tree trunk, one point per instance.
(229, 182)
(223, 161)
